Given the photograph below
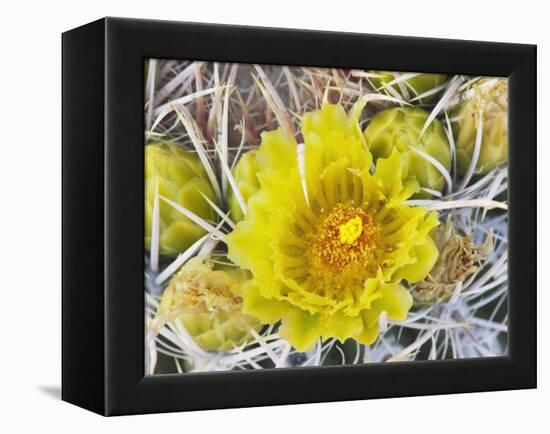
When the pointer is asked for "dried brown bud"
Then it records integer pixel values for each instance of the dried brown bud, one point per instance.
(458, 259)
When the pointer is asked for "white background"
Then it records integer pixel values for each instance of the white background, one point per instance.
(30, 216)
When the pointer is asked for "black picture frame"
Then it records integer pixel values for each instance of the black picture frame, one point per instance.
(103, 303)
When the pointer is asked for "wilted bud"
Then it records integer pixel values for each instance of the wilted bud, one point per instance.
(488, 98)
(400, 127)
(181, 178)
(411, 87)
(245, 174)
(208, 304)
(458, 259)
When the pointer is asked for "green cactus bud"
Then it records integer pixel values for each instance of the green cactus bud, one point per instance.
(414, 86)
(207, 302)
(401, 127)
(181, 178)
(245, 174)
(489, 97)
(218, 331)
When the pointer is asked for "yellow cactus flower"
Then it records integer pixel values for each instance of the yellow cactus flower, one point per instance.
(245, 174)
(327, 241)
(207, 303)
(413, 87)
(400, 128)
(490, 97)
(181, 178)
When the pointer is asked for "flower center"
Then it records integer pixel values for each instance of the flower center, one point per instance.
(346, 236)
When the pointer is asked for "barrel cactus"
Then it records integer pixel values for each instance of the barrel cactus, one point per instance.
(414, 86)
(207, 302)
(488, 97)
(400, 128)
(245, 174)
(181, 178)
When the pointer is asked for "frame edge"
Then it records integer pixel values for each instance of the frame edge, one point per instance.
(82, 217)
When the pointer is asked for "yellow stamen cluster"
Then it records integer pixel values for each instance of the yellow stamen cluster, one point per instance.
(346, 236)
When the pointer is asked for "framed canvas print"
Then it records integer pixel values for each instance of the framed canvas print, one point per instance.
(263, 216)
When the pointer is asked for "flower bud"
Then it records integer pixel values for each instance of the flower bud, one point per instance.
(458, 259)
(181, 178)
(400, 128)
(207, 302)
(488, 97)
(245, 174)
(411, 87)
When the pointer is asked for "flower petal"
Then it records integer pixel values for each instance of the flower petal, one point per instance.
(278, 151)
(341, 326)
(301, 329)
(390, 172)
(395, 301)
(368, 335)
(267, 311)
(426, 255)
